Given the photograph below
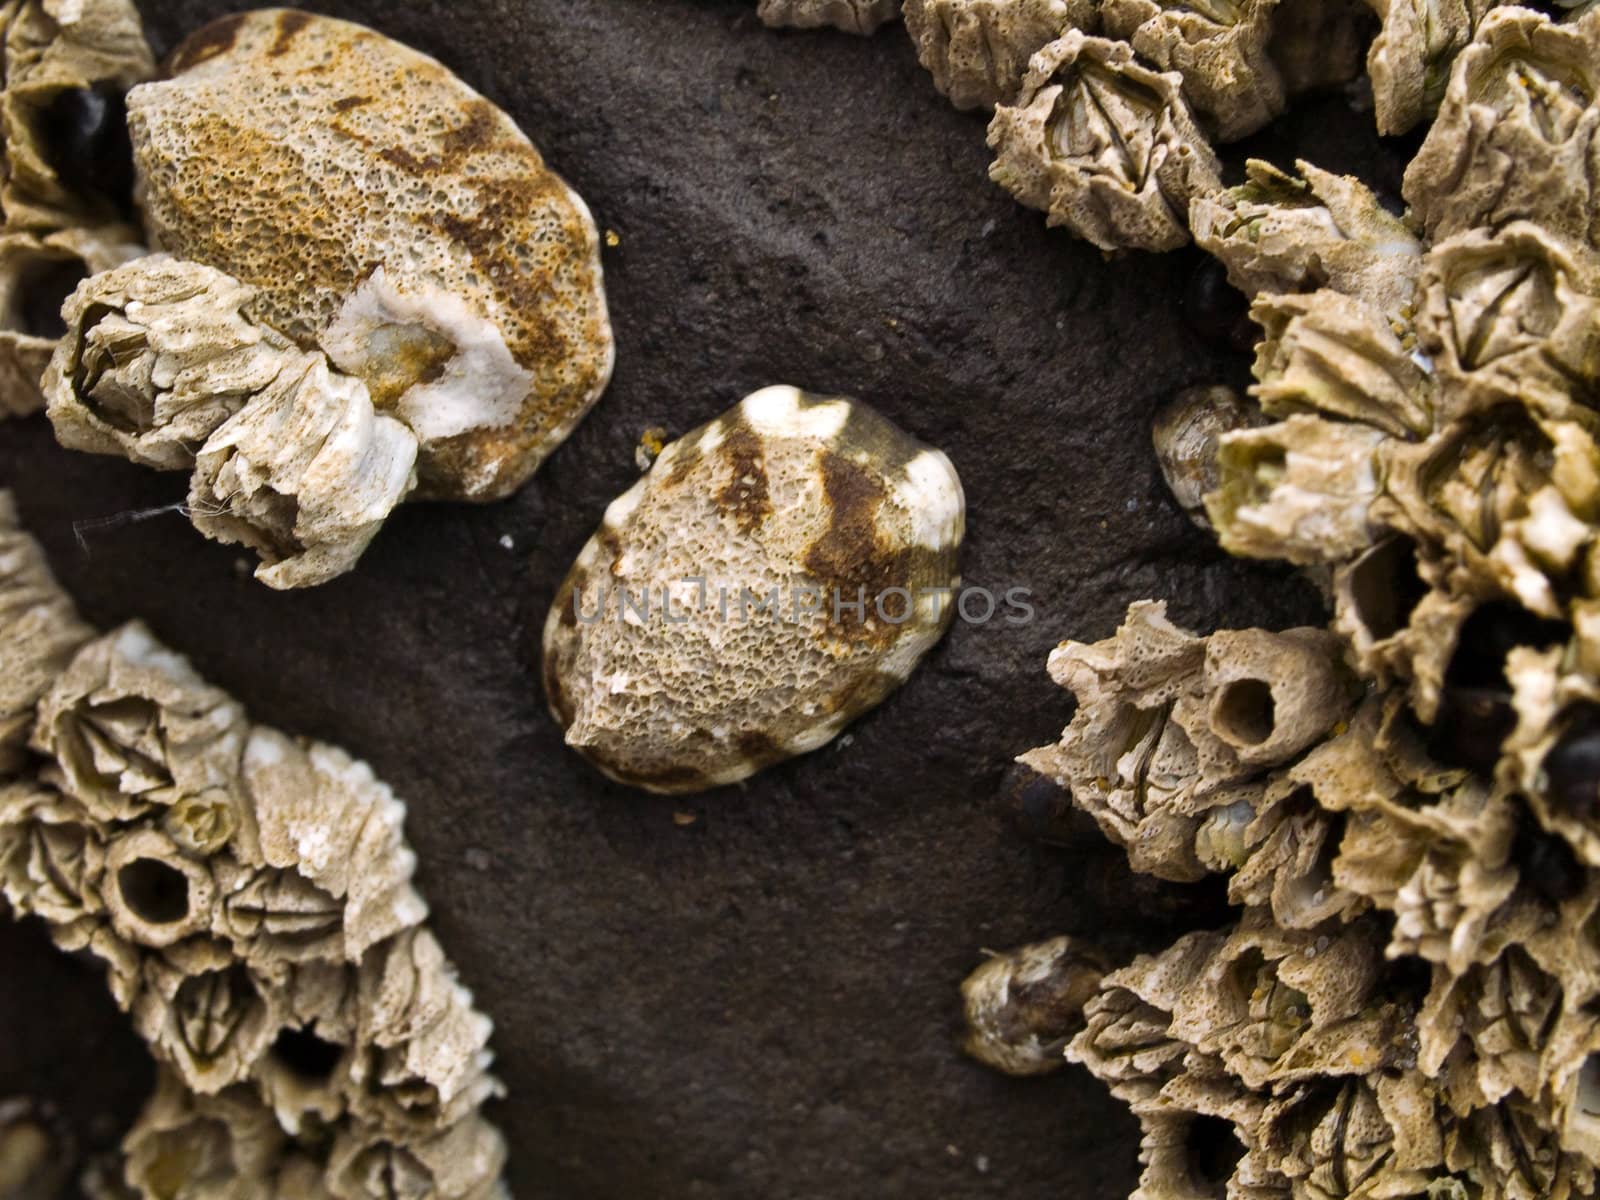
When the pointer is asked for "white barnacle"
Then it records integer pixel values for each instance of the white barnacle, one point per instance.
(777, 573)
(1023, 1007)
(978, 50)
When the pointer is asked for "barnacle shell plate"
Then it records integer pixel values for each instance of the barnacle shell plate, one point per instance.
(738, 544)
(392, 216)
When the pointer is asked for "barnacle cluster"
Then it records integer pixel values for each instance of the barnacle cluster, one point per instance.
(374, 293)
(66, 185)
(1406, 804)
(250, 895)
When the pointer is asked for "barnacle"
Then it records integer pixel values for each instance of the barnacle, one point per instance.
(1410, 59)
(67, 66)
(851, 16)
(1279, 232)
(1104, 145)
(1220, 49)
(1023, 1007)
(978, 50)
(250, 894)
(289, 456)
(803, 543)
(1516, 133)
(414, 234)
(1187, 434)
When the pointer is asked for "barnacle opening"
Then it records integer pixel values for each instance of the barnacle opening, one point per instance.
(1245, 711)
(43, 281)
(1386, 586)
(1212, 1153)
(309, 1057)
(154, 891)
(1571, 770)
(83, 134)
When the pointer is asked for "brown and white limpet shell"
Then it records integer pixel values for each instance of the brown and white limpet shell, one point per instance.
(391, 216)
(777, 573)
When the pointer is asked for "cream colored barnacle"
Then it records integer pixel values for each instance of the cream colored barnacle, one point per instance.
(414, 234)
(1409, 61)
(1104, 145)
(850, 16)
(1517, 130)
(1186, 434)
(777, 573)
(978, 50)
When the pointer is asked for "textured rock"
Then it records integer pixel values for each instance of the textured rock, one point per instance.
(760, 238)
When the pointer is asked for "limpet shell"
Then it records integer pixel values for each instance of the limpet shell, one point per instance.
(778, 572)
(412, 232)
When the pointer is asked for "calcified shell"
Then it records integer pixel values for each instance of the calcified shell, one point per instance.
(1409, 60)
(777, 573)
(978, 50)
(1186, 434)
(1220, 50)
(850, 16)
(1023, 1007)
(413, 232)
(1104, 145)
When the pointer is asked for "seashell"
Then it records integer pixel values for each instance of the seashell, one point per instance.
(67, 67)
(1516, 132)
(978, 50)
(849, 16)
(1186, 434)
(1105, 146)
(37, 275)
(778, 572)
(1410, 59)
(1220, 50)
(1022, 1008)
(39, 629)
(1283, 233)
(414, 234)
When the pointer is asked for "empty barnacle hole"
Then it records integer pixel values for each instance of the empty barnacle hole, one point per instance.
(1212, 1152)
(83, 134)
(158, 896)
(1244, 711)
(1475, 713)
(35, 282)
(1569, 776)
(309, 1057)
(1383, 587)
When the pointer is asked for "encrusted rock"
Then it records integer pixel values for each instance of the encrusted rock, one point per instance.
(414, 234)
(1104, 145)
(978, 50)
(778, 572)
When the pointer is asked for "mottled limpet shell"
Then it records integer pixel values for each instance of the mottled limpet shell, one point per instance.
(778, 572)
(412, 232)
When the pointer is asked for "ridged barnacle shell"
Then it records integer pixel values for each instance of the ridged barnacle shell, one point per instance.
(978, 50)
(413, 233)
(1104, 145)
(1278, 232)
(1220, 49)
(1518, 133)
(1511, 315)
(37, 275)
(778, 572)
(849, 16)
(1023, 1007)
(67, 65)
(1409, 61)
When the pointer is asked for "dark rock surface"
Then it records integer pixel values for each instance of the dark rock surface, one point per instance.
(762, 1002)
